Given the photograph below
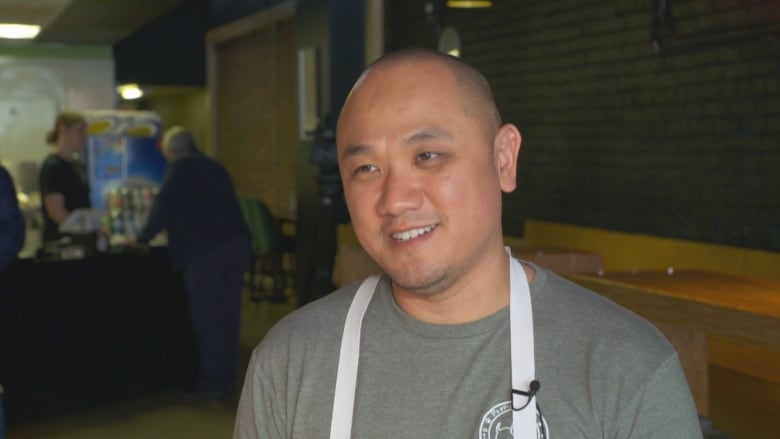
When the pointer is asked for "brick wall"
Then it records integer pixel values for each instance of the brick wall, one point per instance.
(256, 114)
(681, 141)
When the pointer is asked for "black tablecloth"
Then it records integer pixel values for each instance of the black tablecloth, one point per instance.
(79, 333)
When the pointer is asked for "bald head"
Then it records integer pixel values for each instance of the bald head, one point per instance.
(476, 96)
(424, 162)
(177, 142)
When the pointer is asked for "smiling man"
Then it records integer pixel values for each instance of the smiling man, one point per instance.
(456, 339)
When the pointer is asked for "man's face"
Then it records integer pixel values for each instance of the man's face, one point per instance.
(421, 184)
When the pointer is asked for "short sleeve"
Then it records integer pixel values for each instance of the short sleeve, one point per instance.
(664, 407)
(52, 179)
(258, 409)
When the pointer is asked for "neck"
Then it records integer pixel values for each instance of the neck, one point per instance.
(64, 153)
(484, 293)
(180, 155)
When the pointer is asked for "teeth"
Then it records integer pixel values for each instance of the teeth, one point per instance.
(411, 234)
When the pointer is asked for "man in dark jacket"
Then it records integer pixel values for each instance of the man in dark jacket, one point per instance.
(11, 221)
(209, 242)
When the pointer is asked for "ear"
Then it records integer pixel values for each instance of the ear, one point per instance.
(506, 148)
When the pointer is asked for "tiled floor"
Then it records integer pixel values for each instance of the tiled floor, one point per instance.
(153, 417)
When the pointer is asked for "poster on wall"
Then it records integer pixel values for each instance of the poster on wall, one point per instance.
(125, 166)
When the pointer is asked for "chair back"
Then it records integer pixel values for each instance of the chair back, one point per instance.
(264, 228)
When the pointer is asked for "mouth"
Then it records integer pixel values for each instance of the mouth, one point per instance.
(413, 233)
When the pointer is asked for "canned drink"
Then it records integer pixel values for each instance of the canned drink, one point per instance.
(115, 202)
(137, 200)
(148, 196)
(129, 223)
(117, 228)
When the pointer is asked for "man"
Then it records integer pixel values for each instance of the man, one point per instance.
(209, 242)
(458, 340)
(11, 221)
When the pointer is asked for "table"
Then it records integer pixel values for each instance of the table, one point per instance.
(558, 259)
(691, 305)
(83, 332)
(354, 264)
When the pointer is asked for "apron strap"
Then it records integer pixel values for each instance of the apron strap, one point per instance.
(522, 356)
(521, 330)
(346, 379)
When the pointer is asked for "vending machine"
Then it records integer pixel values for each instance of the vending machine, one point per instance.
(125, 167)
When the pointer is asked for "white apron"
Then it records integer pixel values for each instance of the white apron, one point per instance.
(522, 357)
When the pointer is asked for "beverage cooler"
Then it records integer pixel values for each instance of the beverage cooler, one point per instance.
(125, 168)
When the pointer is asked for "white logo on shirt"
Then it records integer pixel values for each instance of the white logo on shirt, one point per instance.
(497, 423)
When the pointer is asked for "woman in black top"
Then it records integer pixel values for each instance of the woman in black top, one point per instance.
(63, 181)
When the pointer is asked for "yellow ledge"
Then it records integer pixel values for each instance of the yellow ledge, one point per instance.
(628, 251)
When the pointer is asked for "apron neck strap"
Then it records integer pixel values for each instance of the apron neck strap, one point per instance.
(522, 356)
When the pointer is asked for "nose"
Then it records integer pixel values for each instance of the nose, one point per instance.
(400, 192)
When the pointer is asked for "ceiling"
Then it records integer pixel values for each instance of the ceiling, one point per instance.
(84, 21)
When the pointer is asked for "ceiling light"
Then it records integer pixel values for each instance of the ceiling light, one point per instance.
(129, 91)
(469, 4)
(19, 31)
(449, 41)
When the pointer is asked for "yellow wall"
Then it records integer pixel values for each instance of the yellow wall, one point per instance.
(627, 251)
(185, 106)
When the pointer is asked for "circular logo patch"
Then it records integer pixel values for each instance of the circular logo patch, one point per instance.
(497, 423)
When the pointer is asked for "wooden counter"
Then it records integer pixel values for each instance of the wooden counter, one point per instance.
(558, 259)
(353, 263)
(733, 307)
(689, 306)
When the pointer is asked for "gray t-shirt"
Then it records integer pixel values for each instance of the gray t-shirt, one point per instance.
(604, 372)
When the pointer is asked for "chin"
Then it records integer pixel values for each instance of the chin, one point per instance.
(423, 281)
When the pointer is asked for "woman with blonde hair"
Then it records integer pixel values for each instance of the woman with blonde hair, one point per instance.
(63, 180)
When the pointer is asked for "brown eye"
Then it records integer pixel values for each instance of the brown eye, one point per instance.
(427, 155)
(362, 169)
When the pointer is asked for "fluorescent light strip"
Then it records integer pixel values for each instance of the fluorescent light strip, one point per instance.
(19, 31)
(130, 91)
(469, 4)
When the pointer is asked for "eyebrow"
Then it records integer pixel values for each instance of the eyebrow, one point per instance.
(420, 136)
(353, 150)
(427, 133)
